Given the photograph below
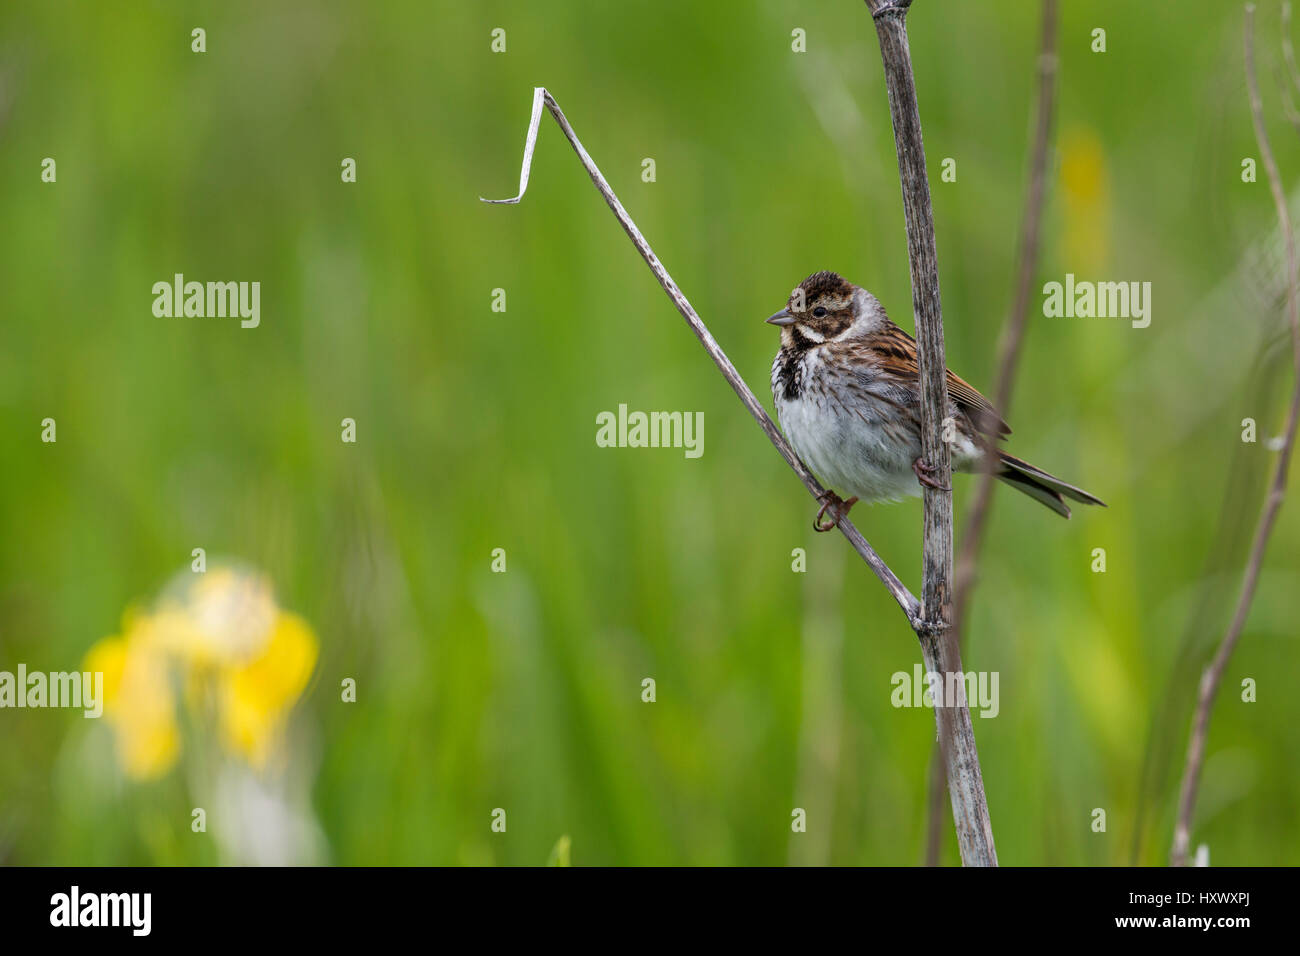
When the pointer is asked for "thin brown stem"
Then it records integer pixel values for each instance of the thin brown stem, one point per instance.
(1213, 675)
(1014, 333)
(1288, 51)
(935, 806)
(1008, 352)
(1288, 98)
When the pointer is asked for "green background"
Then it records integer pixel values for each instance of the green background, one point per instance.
(476, 428)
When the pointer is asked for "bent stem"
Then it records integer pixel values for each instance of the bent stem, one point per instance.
(541, 97)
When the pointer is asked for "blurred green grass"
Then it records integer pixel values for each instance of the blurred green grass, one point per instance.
(476, 429)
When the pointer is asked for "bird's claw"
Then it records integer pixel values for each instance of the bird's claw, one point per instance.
(839, 509)
(924, 472)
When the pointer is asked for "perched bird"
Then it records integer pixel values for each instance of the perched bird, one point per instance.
(847, 389)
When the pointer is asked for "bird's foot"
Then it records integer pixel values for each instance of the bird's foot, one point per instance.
(925, 475)
(838, 507)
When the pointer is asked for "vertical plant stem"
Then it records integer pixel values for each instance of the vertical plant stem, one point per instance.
(1008, 352)
(931, 617)
(939, 653)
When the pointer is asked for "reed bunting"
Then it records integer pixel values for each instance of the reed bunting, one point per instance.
(847, 389)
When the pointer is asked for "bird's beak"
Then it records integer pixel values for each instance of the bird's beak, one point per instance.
(782, 318)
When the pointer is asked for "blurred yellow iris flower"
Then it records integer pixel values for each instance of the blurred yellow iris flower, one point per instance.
(1085, 189)
(218, 645)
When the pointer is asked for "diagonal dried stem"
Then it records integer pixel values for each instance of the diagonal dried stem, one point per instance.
(1213, 675)
(906, 600)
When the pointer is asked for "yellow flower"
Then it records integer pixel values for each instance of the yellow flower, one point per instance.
(242, 660)
(139, 704)
(258, 695)
(1085, 188)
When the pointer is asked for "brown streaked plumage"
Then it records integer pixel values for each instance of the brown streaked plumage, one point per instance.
(846, 383)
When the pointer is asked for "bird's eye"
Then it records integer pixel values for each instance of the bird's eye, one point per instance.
(819, 311)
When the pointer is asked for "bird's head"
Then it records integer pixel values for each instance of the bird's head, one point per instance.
(825, 307)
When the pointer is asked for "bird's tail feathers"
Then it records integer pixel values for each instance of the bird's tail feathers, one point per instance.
(1041, 486)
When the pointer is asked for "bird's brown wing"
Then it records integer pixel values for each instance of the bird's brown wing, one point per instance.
(984, 416)
(896, 352)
